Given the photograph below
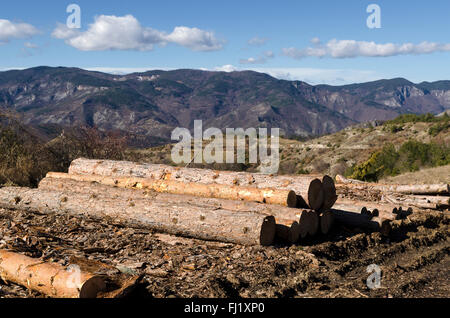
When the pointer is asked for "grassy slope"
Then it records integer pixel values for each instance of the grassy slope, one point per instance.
(331, 154)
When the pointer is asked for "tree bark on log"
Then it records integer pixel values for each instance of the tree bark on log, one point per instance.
(290, 218)
(183, 219)
(47, 278)
(362, 221)
(312, 194)
(221, 191)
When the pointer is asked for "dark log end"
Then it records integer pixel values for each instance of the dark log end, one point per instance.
(292, 199)
(92, 287)
(315, 194)
(329, 190)
(268, 230)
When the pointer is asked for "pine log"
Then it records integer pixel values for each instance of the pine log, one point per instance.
(183, 219)
(424, 202)
(358, 220)
(302, 185)
(371, 206)
(417, 188)
(269, 196)
(287, 219)
(350, 207)
(50, 279)
(397, 188)
(343, 180)
(287, 231)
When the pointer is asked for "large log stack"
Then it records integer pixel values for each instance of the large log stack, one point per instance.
(309, 188)
(235, 207)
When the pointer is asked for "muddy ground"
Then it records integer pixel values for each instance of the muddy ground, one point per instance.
(414, 259)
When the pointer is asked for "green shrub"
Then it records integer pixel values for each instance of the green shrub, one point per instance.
(24, 162)
(439, 127)
(395, 129)
(414, 118)
(411, 156)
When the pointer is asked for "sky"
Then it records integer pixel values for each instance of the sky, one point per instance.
(320, 42)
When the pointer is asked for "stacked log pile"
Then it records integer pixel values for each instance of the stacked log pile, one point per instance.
(235, 207)
(423, 196)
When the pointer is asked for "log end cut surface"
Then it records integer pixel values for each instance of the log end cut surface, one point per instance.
(268, 230)
(315, 194)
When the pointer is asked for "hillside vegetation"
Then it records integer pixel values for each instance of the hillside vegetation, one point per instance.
(406, 144)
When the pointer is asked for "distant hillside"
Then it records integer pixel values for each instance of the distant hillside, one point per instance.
(150, 105)
(340, 152)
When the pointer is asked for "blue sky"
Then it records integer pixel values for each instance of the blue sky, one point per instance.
(124, 36)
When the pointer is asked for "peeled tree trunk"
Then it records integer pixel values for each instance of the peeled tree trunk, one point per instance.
(47, 278)
(269, 196)
(308, 187)
(183, 219)
(290, 222)
(397, 188)
(424, 202)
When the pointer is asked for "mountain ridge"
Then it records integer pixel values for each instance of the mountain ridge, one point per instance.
(153, 103)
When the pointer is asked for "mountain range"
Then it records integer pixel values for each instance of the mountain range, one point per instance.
(152, 104)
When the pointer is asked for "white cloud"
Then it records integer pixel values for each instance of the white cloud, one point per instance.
(322, 76)
(62, 32)
(351, 49)
(226, 68)
(126, 33)
(312, 76)
(30, 45)
(10, 30)
(259, 60)
(195, 39)
(256, 41)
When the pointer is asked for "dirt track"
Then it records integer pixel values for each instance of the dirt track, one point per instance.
(414, 260)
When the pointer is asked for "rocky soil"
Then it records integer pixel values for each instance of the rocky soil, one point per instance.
(414, 260)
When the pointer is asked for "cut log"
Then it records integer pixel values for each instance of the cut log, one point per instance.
(343, 180)
(358, 220)
(312, 194)
(269, 196)
(350, 207)
(288, 219)
(329, 191)
(326, 221)
(417, 188)
(183, 219)
(50, 279)
(398, 188)
(287, 231)
(315, 195)
(371, 206)
(424, 202)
